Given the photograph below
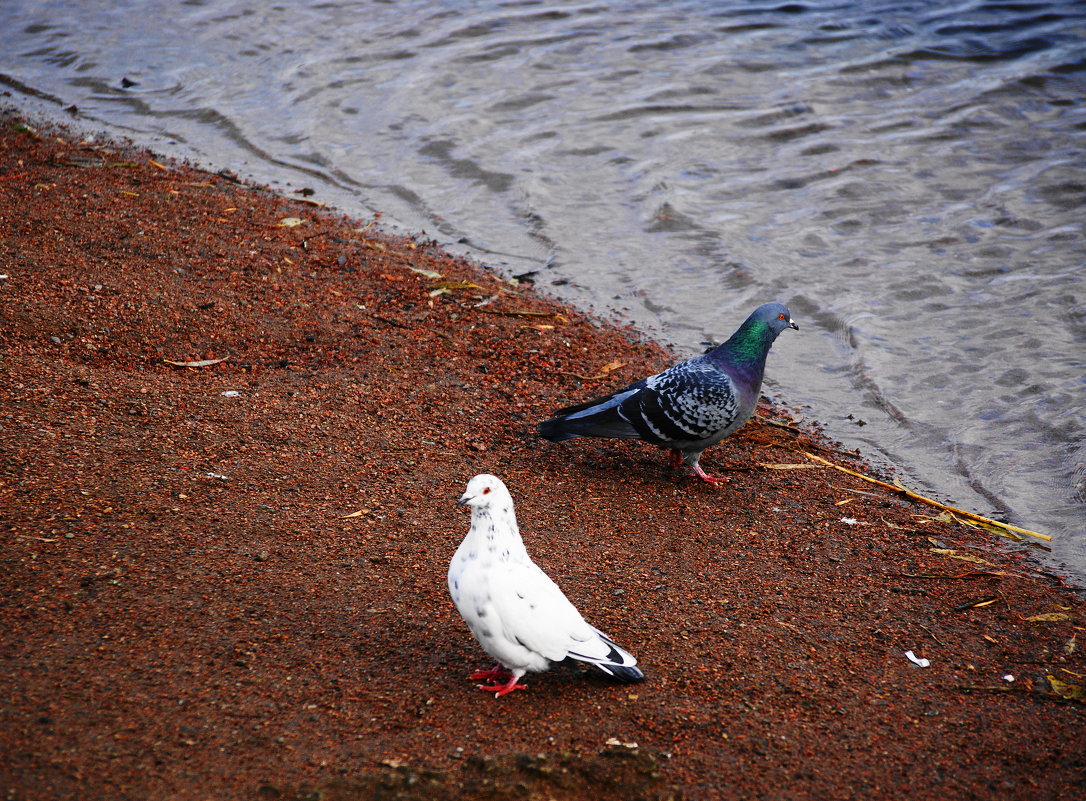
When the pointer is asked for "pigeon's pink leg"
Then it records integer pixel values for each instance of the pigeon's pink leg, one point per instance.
(502, 689)
(714, 480)
(490, 674)
(674, 458)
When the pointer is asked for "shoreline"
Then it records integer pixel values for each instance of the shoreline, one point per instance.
(229, 578)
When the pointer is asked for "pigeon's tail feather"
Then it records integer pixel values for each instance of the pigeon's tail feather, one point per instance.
(608, 425)
(592, 406)
(630, 675)
(617, 663)
(554, 430)
(598, 418)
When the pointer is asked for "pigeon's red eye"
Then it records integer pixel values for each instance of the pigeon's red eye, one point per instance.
(486, 490)
(780, 316)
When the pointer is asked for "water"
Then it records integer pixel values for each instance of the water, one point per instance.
(908, 176)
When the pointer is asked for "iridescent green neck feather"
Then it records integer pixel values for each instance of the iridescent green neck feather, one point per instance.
(749, 345)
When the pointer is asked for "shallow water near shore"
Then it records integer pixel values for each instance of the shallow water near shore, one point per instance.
(909, 178)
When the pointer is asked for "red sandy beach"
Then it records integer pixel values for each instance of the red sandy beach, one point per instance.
(227, 581)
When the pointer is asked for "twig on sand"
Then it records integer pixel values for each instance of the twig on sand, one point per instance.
(902, 490)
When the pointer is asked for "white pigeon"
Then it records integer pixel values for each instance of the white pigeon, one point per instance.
(519, 616)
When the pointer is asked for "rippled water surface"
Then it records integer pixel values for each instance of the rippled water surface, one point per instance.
(908, 176)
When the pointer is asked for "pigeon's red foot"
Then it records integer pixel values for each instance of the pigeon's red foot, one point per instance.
(674, 458)
(714, 480)
(490, 674)
(502, 689)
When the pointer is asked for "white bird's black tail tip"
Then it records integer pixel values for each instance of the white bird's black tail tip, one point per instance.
(619, 663)
(625, 673)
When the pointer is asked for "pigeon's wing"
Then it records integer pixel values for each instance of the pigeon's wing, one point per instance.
(535, 613)
(690, 402)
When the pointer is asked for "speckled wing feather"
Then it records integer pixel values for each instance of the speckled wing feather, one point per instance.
(689, 402)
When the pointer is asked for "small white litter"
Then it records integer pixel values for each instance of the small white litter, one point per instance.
(919, 661)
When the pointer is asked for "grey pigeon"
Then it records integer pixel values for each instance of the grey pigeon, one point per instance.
(519, 616)
(688, 407)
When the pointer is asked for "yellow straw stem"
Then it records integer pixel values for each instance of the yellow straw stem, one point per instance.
(908, 492)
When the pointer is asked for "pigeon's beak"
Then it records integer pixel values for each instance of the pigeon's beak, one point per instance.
(793, 324)
(464, 500)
